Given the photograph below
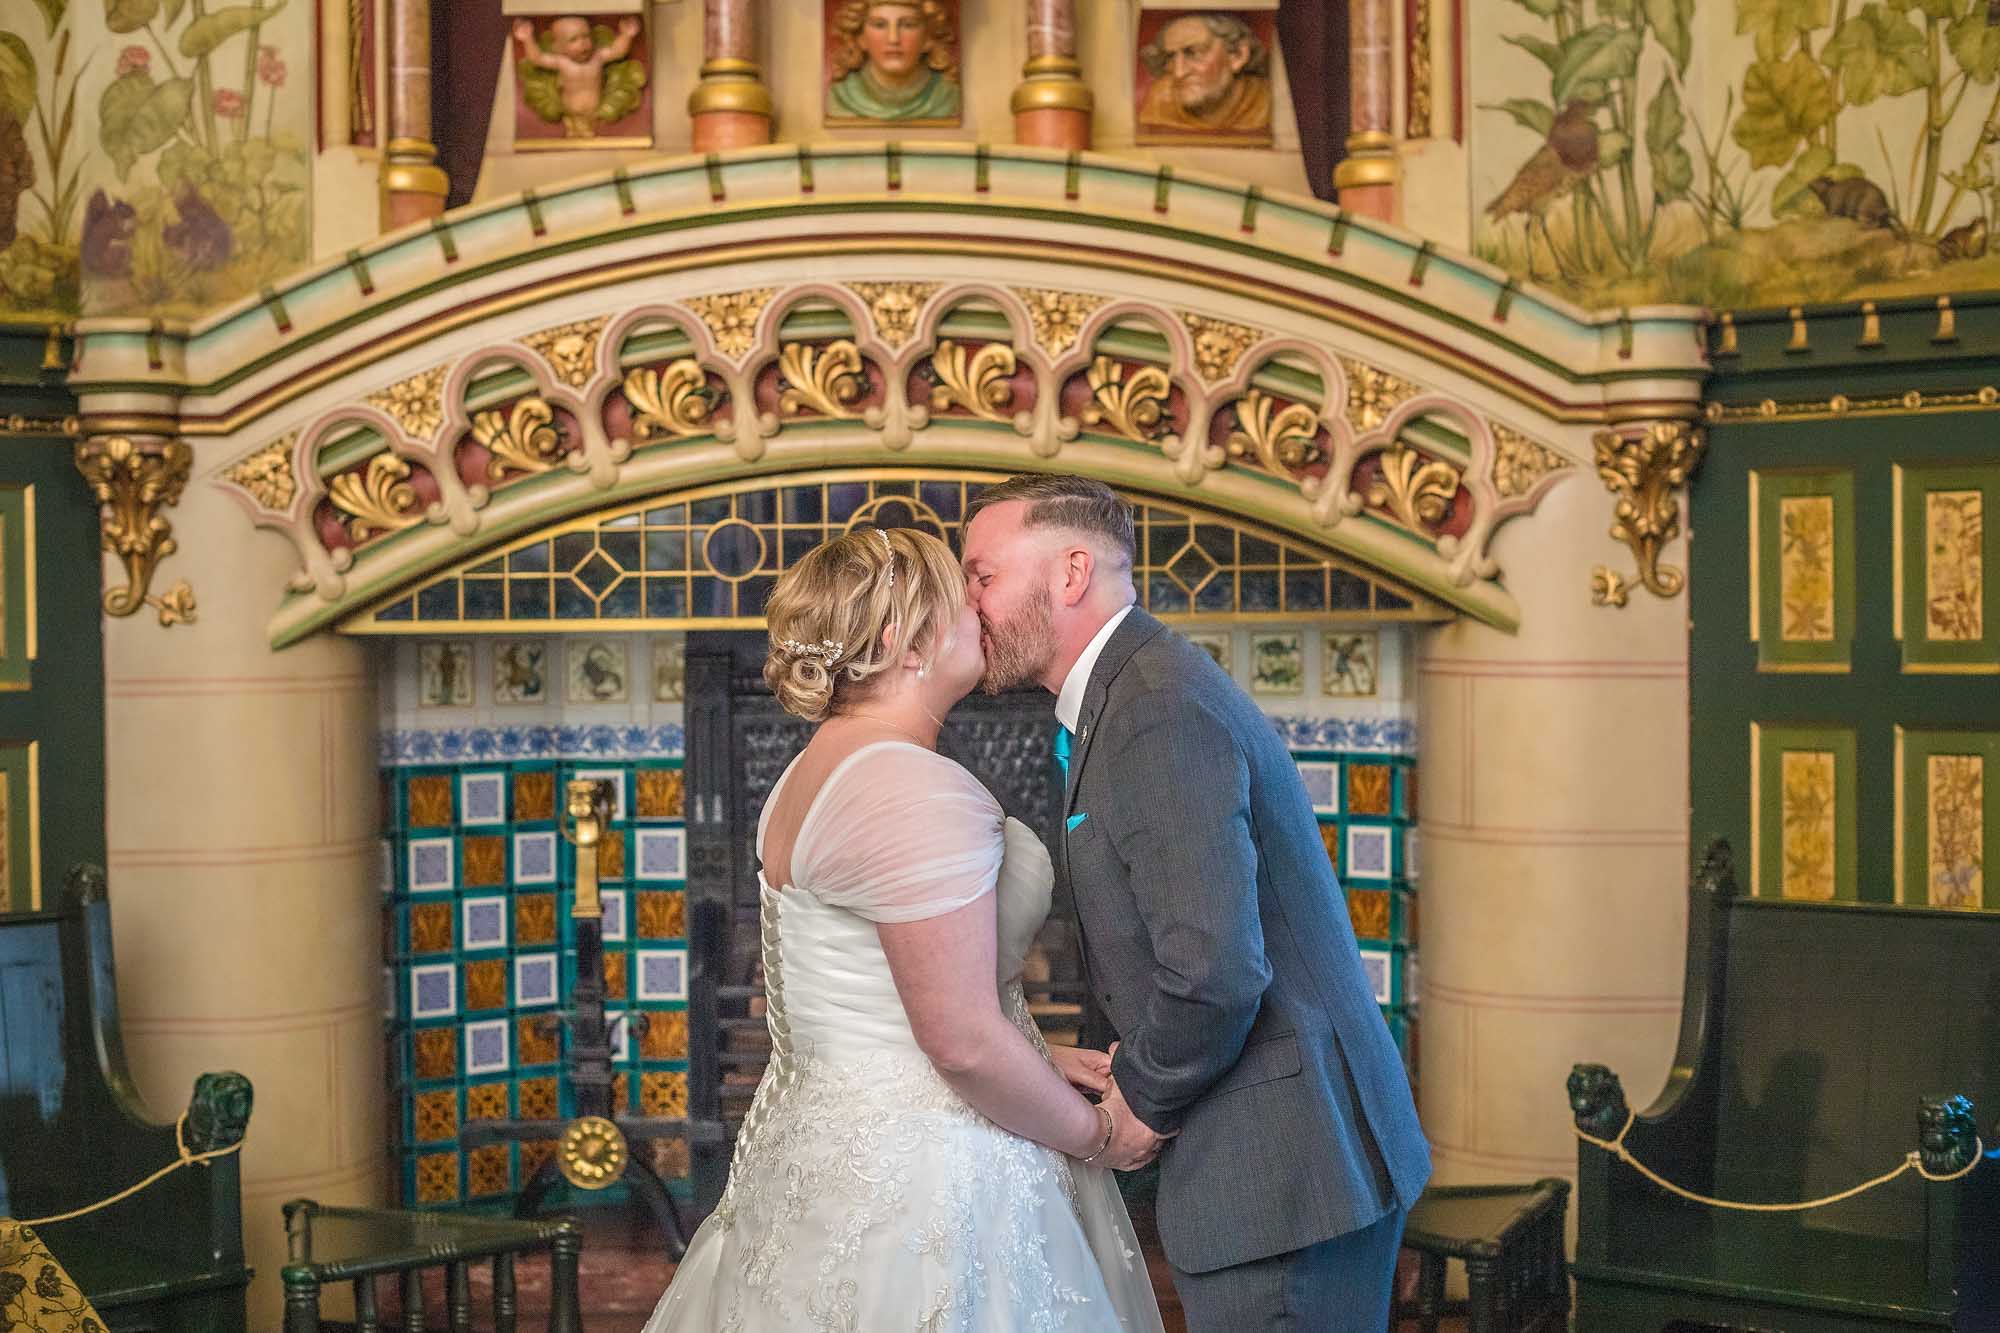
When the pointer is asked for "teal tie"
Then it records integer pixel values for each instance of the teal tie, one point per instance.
(1061, 747)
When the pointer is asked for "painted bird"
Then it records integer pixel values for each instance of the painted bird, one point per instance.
(1569, 155)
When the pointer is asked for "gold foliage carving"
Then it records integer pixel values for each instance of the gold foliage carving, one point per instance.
(267, 474)
(1373, 393)
(1280, 439)
(1519, 463)
(1058, 317)
(1645, 471)
(894, 306)
(132, 483)
(525, 439)
(981, 382)
(416, 404)
(672, 402)
(570, 349)
(827, 380)
(1414, 487)
(732, 316)
(1135, 407)
(379, 498)
(1218, 344)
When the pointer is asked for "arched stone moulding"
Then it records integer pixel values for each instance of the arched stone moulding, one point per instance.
(1331, 376)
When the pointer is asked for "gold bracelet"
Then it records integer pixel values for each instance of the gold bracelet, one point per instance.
(1104, 1111)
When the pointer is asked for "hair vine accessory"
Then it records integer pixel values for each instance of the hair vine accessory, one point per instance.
(889, 551)
(826, 648)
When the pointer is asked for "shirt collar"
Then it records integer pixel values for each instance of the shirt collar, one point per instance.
(1069, 702)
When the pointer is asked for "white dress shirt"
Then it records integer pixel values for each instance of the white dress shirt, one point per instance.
(1069, 702)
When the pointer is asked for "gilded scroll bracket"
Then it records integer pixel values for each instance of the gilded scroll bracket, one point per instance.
(133, 482)
(1645, 466)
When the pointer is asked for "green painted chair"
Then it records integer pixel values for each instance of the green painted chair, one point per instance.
(1820, 1043)
(72, 1132)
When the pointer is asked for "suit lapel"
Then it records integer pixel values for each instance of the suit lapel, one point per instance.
(1133, 632)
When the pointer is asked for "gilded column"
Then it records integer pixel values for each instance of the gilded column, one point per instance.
(413, 186)
(1366, 177)
(1051, 104)
(730, 107)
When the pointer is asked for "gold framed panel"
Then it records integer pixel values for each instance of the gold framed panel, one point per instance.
(1947, 575)
(1803, 838)
(1947, 818)
(21, 826)
(18, 647)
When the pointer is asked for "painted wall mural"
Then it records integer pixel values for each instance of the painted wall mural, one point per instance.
(582, 83)
(196, 120)
(1738, 152)
(40, 173)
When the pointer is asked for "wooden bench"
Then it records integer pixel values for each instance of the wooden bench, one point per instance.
(1820, 1043)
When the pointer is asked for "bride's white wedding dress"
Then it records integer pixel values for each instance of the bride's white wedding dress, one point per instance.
(865, 1196)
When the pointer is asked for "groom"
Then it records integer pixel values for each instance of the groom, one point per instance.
(1214, 934)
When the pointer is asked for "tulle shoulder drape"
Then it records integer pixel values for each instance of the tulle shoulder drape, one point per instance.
(897, 833)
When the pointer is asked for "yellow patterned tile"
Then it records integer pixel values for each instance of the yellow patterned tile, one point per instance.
(662, 915)
(486, 1171)
(436, 1115)
(621, 1092)
(1805, 568)
(430, 801)
(1806, 817)
(434, 1052)
(533, 1045)
(485, 862)
(486, 985)
(666, 1035)
(1955, 825)
(615, 971)
(486, 1101)
(671, 1159)
(1954, 567)
(662, 793)
(430, 928)
(535, 795)
(1368, 787)
(533, 1153)
(1329, 836)
(437, 1178)
(663, 1093)
(611, 854)
(540, 1099)
(534, 919)
(1368, 910)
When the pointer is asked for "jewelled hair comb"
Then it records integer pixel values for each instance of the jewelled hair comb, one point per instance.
(890, 551)
(826, 648)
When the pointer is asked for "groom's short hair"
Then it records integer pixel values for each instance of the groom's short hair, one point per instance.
(1058, 500)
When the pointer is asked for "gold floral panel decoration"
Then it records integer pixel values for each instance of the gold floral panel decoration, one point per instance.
(1948, 574)
(1947, 818)
(1803, 821)
(17, 586)
(1802, 576)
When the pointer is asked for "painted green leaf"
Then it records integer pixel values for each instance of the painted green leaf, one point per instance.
(1673, 173)
(623, 82)
(1527, 113)
(1784, 102)
(1544, 51)
(1778, 24)
(52, 13)
(138, 116)
(173, 10)
(1792, 196)
(181, 164)
(17, 77)
(1975, 45)
(1672, 22)
(1613, 147)
(1937, 9)
(1878, 54)
(1620, 10)
(1546, 9)
(1593, 56)
(541, 91)
(205, 34)
(1673, 169)
(129, 15)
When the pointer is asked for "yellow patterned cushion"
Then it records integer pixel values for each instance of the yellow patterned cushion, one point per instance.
(36, 1295)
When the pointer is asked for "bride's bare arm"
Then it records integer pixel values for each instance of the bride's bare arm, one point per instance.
(944, 971)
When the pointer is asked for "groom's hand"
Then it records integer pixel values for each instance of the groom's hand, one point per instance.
(1087, 1070)
(1133, 1143)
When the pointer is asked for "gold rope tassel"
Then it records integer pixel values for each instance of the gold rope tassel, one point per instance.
(1912, 1161)
(185, 1158)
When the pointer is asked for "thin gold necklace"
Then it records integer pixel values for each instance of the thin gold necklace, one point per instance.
(885, 722)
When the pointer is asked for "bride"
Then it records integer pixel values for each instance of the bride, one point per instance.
(915, 1157)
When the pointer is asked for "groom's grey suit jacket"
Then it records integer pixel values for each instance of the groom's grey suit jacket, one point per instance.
(1218, 943)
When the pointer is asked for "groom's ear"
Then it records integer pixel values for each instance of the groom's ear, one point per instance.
(1077, 564)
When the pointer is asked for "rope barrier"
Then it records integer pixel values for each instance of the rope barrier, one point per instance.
(1912, 1161)
(185, 1158)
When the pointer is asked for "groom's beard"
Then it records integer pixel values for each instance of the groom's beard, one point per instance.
(1017, 650)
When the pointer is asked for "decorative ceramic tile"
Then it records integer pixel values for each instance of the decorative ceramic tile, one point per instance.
(663, 1093)
(535, 857)
(392, 991)
(486, 1101)
(434, 1116)
(1378, 965)
(663, 974)
(385, 866)
(430, 865)
(662, 853)
(614, 915)
(1805, 569)
(482, 798)
(1329, 834)
(1802, 577)
(1948, 597)
(611, 854)
(430, 927)
(1368, 851)
(534, 1152)
(597, 671)
(661, 915)
(1369, 789)
(535, 980)
(537, 1041)
(444, 675)
(1221, 646)
(520, 672)
(488, 1171)
(666, 1036)
(485, 861)
(1410, 863)
(535, 795)
(430, 801)
(539, 1098)
(485, 985)
(437, 1178)
(1955, 829)
(662, 793)
(672, 1159)
(1350, 663)
(1954, 567)
(18, 646)
(486, 1047)
(534, 919)
(1804, 834)
(596, 741)
(1277, 663)
(483, 923)
(1368, 910)
(434, 1052)
(614, 776)
(1359, 735)
(617, 977)
(433, 991)
(1321, 779)
(669, 670)
(1806, 794)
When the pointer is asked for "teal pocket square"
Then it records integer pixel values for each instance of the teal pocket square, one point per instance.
(1076, 819)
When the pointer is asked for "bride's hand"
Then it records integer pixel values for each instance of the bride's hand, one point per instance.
(1087, 1070)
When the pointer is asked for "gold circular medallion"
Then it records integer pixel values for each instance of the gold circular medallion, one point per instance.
(592, 1153)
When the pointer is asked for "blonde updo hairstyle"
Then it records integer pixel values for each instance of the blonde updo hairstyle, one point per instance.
(828, 614)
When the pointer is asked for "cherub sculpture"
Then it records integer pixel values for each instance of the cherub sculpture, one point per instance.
(577, 74)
